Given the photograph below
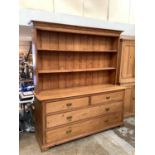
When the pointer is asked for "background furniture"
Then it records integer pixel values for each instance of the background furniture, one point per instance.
(75, 77)
(127, 74)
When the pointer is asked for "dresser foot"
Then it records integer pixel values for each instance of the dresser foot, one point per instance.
(43, 149)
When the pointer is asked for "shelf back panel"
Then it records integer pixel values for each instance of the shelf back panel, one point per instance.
(78, 60)
(75, 42)
(68, 80)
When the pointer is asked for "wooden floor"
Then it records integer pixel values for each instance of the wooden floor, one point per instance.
(104, 143)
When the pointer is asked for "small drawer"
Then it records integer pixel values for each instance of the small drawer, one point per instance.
(66, 104)
(116, 96)
(82, 128)
(72, 116)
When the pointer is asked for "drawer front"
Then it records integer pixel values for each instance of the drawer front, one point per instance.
(66, 104)
(82, 128)
(96, 99)
(68, 117)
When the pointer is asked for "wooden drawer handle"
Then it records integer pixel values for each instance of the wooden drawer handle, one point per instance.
(107, 97)
(107, 109)
(69, 104)
(69, 118)
(106, 121)
(68, 131)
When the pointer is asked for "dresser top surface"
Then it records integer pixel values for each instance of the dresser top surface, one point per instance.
(76, 91)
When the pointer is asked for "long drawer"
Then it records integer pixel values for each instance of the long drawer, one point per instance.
(68, 117)
(96, 99)
(82, 128)
(66, 104)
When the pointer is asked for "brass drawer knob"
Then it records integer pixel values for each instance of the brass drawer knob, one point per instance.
(69, 118)
(107, 109)
(69, 104)
(107, 97)
(68, 131)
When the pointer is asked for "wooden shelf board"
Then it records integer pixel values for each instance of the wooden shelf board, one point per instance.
(75, 70)
(76, 91)
(64, 50)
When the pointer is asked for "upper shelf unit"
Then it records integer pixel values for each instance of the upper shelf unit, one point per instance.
(68, 56)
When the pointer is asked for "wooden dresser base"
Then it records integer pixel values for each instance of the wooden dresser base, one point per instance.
(66, 119)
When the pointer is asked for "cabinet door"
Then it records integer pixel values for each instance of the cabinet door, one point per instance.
(127, 62)
(127, 102)
(132, 108)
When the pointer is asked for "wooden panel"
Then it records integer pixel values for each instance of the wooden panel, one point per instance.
(45, 39)
(46, 59)
(69, 41)
(76, 80)
(89, 78)
(131, 67)
(73, 79)
(66, 61)
(76, 42)
(54, 40)
(68, 117)
(66, 104)
(69, 60)
(125, 55)
(62, 81)
(83, 42)
(128, 101)
(132, 107)
(38, 119)
(54, 81)
(127, 70)
(62, 61)
(89, 42)
(62, 41)
(82, 128)
(69, 80)
(96, 99)
(82, 60)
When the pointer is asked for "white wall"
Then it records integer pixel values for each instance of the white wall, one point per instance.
(111, 14)
(108, 10)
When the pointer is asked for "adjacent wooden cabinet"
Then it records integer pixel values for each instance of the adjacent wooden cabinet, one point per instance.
(75, 76)
(127, 66)
(127, 74)
(129, 102)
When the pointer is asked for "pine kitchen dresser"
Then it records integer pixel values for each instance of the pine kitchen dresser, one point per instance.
(75, 77)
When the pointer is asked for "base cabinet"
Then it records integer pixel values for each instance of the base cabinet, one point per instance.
(68, 119)
(127, 74)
